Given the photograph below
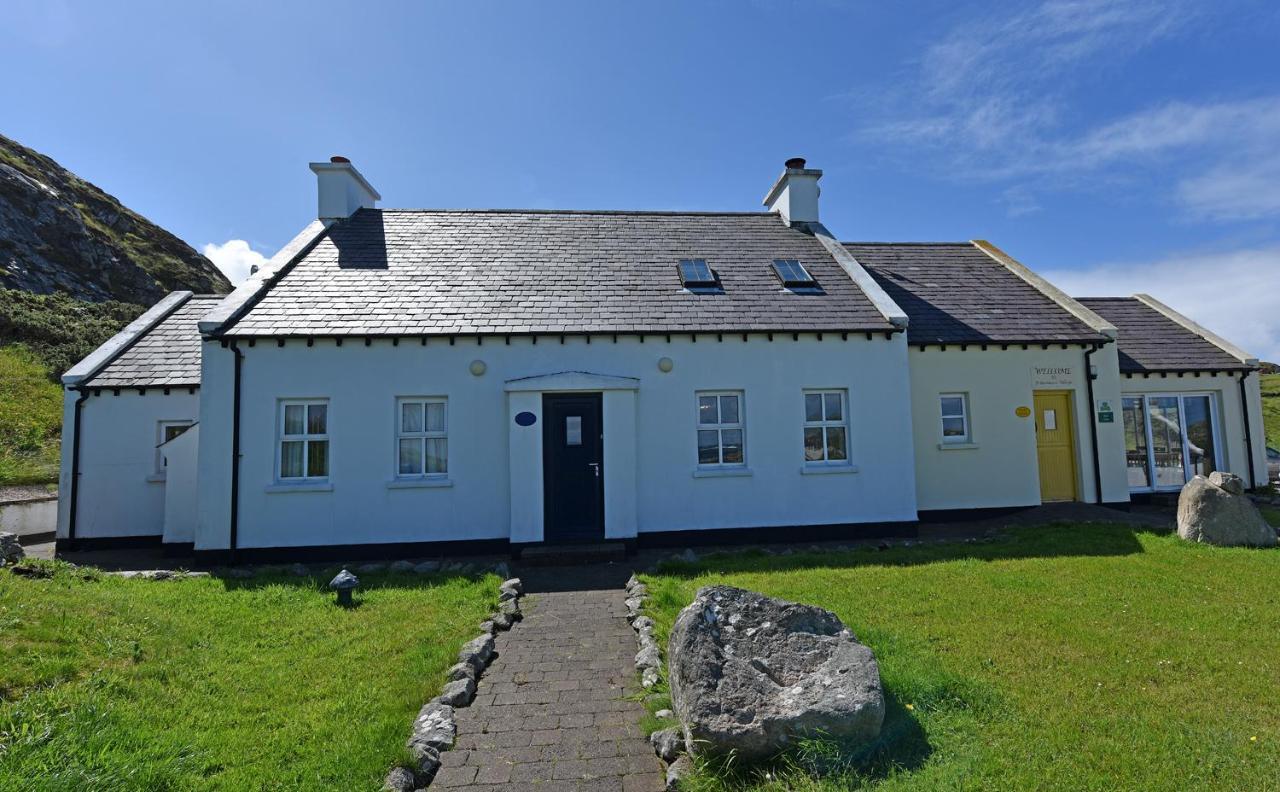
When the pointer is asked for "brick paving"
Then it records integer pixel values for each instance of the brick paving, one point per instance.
(551, 711)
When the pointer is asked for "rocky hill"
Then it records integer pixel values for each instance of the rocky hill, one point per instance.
(59, 233)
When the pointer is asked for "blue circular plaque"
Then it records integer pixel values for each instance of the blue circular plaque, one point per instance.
(526, 418)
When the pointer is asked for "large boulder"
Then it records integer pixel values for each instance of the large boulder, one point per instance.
(749, 674)
(1214, 510)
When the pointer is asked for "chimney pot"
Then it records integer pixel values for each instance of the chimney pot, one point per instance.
(340, 158)
(795, 163)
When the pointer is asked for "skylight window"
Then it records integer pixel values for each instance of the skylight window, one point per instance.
(792, 273)
(695, 274)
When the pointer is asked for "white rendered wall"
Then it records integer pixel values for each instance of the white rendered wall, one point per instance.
(217, 376)
(482, 501)
(119, 491)
(180, 487)
(1225, 388)
(1000, 469)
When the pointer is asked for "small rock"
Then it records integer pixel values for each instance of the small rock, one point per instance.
(676, 771)
(642, 623)
(459, 692)
(477, 652)
(11, 551)
(157, 574)
(511, 607)
(488, 626)
(460, 671)
(507, 594)
(369, 569)
(435, 727)
(402, 567)
(648, 657)
(513, 584)
(631, 581)
(664, 714)
(400, 780)
(427, 567)
(501, 621)
(667, 743)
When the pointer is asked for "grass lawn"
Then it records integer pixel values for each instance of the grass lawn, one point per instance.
(1065, 657)
(220, 684)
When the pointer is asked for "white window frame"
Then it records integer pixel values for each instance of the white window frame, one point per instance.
(160, 467)
(422, 436)
(825, 424)
(1215, 425)
(963, 439)
(306, 439)
(719, 428)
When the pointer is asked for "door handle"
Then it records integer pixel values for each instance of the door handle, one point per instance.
(595, 467)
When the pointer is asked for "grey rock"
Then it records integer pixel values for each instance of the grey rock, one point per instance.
(648, 657)
(11, 551)
(642, 623)
(663, 714)
(460, 671)
(667, 744)
(514, 584)
(369, 569)
(677, 771)
(511, 608)
(488, 626)
(1227, 481)
(633, 606)
(435, 727)
(506, 594)
(477, 652)
(401, 567)
(459, 692)
(157, 574)
(649, 678)
(427, 567)
(500, 622)
(750, 674)
(1214, 515)
(400, 779)
(631, 581)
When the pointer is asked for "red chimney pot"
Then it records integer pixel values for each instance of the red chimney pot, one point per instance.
(795, 163)
(339, 159)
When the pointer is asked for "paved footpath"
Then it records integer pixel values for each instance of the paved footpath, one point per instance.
(550, 712)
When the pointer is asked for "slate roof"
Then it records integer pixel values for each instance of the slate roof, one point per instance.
(954, 293)
(440, 272)
(1150, 341)
(166, 355)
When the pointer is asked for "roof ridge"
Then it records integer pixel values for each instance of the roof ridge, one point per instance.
(641, 212)
(911, 244)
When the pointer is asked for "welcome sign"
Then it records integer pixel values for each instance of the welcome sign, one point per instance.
(1052, 376)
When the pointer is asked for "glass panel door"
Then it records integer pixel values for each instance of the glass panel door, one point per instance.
(1200, 438)
(1137, 462)
(1166, 440)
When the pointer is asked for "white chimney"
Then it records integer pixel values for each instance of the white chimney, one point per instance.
(795, 194)
(342, 190)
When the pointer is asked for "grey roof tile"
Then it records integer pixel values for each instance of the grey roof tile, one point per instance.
(1150, 341)
(954, 293)
(426, 272)
(168, 355)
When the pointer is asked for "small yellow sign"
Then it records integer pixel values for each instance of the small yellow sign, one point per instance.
(1023, 412)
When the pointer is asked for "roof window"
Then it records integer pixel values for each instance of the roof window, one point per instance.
(695, 274)
(793, 274)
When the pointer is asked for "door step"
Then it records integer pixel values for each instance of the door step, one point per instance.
(560, 555)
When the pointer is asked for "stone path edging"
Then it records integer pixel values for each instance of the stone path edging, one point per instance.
(668, 743)
(435, 728)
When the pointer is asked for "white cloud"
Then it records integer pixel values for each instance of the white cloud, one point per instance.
(235, 258)
(1232, 293)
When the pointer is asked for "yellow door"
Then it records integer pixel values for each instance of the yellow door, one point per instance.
(1055, 446)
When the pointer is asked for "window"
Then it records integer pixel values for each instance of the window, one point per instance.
(422, 437)
(1169, 438)
(826, 438)
(695, 274)
(792, 273)
(955, 417)
(720, 439)
(304, 439)
(166, 431)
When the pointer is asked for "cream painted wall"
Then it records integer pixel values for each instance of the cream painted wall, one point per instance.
(483, 501)
(1000, 468)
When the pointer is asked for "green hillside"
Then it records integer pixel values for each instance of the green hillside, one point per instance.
(1271, 408)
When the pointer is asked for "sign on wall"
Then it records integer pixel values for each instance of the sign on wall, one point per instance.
(1051, 376)
(1105, 415)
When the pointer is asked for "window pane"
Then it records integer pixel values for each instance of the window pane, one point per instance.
(294, 418)
(411, 416)
(410, 457)
(1166, 440)
(731, 445)
(952, 405)
(729, 409)
(708, 447)
(291, 460)
(813, 444)
(834, 409)
(435, 417)
(707, 413)
(953, 427)
(835, 443)
(1135, 444)
(171, 432)
(1199, 434)
(437, 455)
(318, 458)
(317, 418)
(813, 406)
(573, 430)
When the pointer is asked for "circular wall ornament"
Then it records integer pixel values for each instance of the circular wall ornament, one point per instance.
(665, 364)
(526, 418)
(1023, 412)
(478, 367)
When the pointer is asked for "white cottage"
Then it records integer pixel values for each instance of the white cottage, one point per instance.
(412, 381)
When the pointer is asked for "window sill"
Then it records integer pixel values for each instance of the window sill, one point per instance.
(957, 446)
(826, 470)
(300, 486)
(728, 472)
(156, 478)
(419, 483)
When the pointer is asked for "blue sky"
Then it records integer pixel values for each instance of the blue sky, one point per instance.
(1113, 146)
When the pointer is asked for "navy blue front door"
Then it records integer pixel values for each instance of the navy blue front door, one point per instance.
(572, 467)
